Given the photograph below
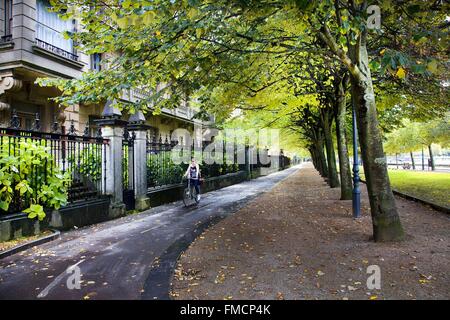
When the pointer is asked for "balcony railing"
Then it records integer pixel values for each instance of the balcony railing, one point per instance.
(139, 94)
(58, 51)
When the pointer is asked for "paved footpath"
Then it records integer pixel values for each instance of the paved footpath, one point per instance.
(299, 241)
(128, 258)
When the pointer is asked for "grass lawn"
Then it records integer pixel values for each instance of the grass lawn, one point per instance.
(431, 186)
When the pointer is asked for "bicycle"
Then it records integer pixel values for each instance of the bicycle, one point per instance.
(190, 194)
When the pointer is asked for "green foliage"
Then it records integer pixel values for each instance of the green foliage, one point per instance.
(89, 162)
(262, 55)
(161, 170)
(30, 174)
(412, 136)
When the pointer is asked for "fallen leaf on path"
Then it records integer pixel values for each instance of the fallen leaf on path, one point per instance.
(220, 278)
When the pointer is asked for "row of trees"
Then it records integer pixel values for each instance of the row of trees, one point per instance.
(413, 136)
(296, 64)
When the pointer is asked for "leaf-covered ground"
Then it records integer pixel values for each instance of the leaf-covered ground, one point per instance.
(6, 245)
(299, 241)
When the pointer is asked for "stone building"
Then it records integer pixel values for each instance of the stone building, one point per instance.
(32, 46)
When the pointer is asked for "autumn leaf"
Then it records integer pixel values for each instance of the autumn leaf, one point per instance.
(432, 66)
(401, 73)
(220, 278)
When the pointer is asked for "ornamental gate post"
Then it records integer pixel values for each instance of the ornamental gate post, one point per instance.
(139, 128)
(112, 129)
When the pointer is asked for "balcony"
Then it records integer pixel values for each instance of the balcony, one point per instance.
(6, 42)
(55, 50)
(57, 54)
(6, 39)
(135, 95)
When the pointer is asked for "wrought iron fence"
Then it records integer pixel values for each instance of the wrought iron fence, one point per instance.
(80, 159)
(260, 158)
(216, 163)
(285, 162)
(162, 171)
(128, 168)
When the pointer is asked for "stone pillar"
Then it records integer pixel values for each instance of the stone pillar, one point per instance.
(138, 126)
(112, 129)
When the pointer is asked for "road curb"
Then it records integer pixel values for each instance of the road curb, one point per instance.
(30, 244)
(428, 203)
(413, 198)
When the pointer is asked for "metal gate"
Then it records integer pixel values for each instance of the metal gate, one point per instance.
(128, 169)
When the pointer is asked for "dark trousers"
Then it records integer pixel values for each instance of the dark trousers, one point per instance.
(196, 184)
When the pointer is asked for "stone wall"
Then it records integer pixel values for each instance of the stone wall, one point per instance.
(78, 215)
(2, 18)
(159, 196)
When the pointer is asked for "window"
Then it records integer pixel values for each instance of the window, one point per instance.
(26, 120)
(8, 20)
(96, 59)
(26, 112)
(50, 27)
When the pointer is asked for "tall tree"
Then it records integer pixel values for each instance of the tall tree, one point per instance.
(196, 46)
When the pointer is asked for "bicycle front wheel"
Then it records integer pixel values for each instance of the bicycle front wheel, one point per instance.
(187, 196)
(195, 196)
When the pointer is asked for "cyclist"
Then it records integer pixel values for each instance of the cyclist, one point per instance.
(193, 171)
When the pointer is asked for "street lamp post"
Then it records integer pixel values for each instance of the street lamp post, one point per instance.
(423, 160)
(356, 196)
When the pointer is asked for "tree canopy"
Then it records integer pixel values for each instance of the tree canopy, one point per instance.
(291, 64)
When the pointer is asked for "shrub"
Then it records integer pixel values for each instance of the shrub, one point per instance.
(161, 169)
(89, 162)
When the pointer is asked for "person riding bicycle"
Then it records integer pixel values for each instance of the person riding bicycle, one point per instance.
(193, 172)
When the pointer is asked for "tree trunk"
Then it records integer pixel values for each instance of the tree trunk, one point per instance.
(430, 151)
(333, 179)
(412, 160)
(314, 158)
(322, 159)
(385, 219)
(344, 163)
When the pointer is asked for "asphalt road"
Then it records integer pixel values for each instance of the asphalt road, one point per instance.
(129, 258)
